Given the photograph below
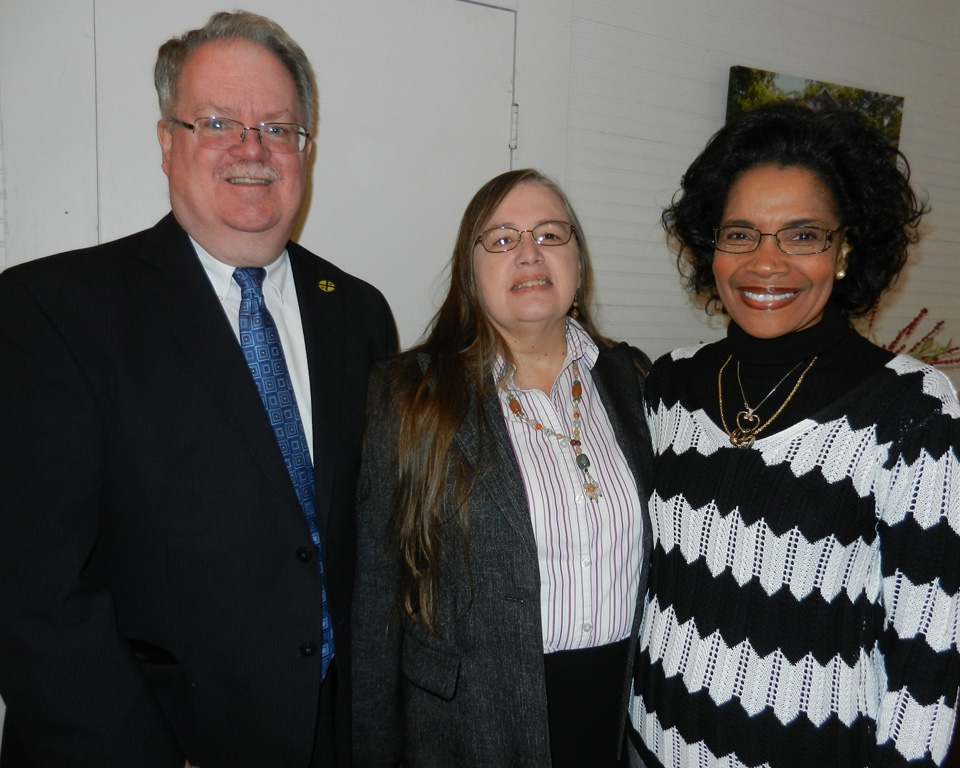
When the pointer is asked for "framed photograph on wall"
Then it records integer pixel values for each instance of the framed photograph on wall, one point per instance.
(749, 88)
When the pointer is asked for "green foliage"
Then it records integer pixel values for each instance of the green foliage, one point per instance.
(749, 88)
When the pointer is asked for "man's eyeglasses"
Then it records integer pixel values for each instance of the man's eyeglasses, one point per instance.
(502, 239)
(223, 133)
(795, 241)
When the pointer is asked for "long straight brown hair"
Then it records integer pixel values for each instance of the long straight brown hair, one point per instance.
(461, 347)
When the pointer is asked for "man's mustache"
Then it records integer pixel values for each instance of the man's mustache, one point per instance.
(260, 171)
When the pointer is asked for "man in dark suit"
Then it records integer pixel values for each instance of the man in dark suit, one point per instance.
(176, 554)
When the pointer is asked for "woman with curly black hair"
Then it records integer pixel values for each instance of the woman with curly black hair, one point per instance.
(802, 608)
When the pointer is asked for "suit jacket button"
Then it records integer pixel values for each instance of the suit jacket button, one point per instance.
(308, 649)
(304, 555)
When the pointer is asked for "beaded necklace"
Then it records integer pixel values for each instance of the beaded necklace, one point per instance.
(590, 486)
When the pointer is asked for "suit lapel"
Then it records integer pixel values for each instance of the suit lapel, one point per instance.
(323, 333)
(187, 306)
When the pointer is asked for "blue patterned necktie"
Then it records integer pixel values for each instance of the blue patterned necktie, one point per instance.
(263, 352)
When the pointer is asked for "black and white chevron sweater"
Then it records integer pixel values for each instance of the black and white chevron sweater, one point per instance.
(803, 605)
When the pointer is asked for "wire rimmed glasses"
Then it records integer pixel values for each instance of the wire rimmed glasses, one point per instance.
(794, 241)
(502, 239)
(224, 133)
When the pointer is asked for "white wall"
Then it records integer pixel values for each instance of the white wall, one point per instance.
(48, 119)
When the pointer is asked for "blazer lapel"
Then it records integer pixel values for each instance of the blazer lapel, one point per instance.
(615, 378)
(616, 381)
(492, 456)
(186, 304)
(323, 333)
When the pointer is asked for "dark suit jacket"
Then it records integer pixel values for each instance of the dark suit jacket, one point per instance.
(159, 591)
(475, 694)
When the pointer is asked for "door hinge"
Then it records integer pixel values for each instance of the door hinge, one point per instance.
(514, 120)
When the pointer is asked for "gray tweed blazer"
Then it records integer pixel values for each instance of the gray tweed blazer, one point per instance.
(473, 695)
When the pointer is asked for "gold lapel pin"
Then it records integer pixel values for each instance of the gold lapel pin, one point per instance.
(326, 285)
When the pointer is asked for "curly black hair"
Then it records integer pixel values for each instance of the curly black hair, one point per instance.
(867, 176)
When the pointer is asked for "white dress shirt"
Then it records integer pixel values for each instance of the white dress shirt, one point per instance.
(280, 296)
(589, 552)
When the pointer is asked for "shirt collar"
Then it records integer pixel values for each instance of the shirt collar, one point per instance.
(221, 274)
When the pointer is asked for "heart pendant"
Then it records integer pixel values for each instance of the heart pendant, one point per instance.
(747, 421)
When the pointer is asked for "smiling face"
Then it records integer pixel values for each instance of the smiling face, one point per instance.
(527, 291)
(240, 204)
(769, 293)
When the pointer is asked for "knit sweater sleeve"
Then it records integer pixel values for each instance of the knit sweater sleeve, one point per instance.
(917, 495)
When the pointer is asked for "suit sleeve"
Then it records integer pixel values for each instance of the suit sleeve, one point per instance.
(377, 630)
(74, 693)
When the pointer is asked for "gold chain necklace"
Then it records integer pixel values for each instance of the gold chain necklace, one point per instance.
(590, 486)
(748, 424)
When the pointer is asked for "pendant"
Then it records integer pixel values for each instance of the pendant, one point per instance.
(590, 486)
(742, 439)
(747, 424)
(747, 421)
(592, 489)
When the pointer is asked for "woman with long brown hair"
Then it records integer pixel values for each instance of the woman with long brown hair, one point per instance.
(501, 524)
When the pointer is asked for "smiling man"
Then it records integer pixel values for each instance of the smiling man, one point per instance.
(181, 416)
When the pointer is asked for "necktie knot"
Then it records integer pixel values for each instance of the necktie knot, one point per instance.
(250, 280)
